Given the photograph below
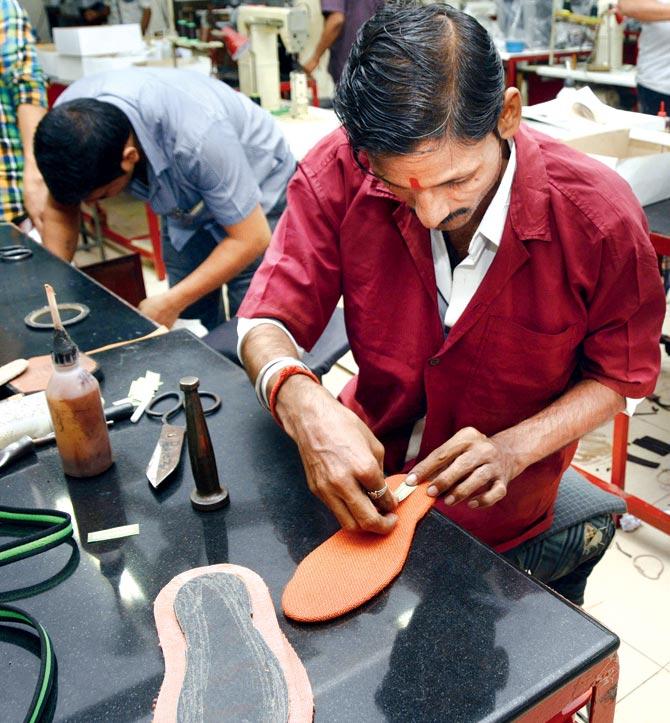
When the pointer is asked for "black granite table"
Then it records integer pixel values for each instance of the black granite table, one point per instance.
(459, 636)
(22, 291)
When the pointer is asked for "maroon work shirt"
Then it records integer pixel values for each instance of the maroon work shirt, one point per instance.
(573, 293)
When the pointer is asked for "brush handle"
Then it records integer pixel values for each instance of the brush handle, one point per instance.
(53, 306)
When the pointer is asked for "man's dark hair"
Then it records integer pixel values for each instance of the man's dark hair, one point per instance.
(418, 72)
(79, 147)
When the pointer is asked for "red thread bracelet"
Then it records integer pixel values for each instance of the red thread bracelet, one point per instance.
(284, 374)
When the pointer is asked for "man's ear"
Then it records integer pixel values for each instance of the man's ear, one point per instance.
(130, 158)
(510, 116)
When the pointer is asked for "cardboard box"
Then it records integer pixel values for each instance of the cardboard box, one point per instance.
(641, 157)
(68, 68)
(98, 40)
(633, 144)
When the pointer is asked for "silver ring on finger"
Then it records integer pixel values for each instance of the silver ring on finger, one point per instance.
(376, 494)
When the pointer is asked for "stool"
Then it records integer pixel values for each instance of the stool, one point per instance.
(122, 276)
(330, 346)
(647, 512)
(154, 235)
(579, 500)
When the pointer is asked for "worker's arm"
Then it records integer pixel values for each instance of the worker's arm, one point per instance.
(35, 192)
(60, 228)
(471, 466)
(340, 455)
(647, 11)
(332, 29)
(245, 242)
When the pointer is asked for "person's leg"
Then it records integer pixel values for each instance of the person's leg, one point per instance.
(179, 264)
(649, 101)
(239, 286)
(565, 560)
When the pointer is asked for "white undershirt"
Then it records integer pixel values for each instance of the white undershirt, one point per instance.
(457, 289)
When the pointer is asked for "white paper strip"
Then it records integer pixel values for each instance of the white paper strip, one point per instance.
(113, 533)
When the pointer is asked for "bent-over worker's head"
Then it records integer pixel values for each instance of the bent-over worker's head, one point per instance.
(85, 150)
(423, 102)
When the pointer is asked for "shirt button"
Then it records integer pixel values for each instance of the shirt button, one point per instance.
(433, 362)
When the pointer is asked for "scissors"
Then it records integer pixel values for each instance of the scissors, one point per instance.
(167, 453)
(15, 253)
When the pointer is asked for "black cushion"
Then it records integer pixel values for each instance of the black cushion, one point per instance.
(579, 500)
(330, 346)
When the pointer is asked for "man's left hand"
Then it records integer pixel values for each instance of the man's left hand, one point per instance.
(469, 466)
(161, 309)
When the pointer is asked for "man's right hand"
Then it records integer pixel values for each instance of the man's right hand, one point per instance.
(342, 458)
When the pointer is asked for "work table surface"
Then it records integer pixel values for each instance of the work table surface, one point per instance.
(459, 636)
(22, 290)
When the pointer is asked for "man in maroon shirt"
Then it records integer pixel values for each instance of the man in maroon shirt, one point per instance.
(343, 18)
(501, 296)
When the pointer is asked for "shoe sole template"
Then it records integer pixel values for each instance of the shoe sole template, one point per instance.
(350, 568)
(225, 657)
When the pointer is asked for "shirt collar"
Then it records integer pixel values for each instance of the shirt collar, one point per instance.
(493, 222)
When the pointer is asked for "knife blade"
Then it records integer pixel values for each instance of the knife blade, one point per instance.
(166, 454)
(404, 491)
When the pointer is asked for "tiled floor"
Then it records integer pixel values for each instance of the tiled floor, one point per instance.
(619, 595)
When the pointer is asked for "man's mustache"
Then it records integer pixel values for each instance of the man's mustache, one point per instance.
(455, 214)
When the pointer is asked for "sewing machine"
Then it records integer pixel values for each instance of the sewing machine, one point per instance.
(259, 69)
(608, 46)
(607, 27)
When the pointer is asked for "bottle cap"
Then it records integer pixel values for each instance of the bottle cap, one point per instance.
(65, 351)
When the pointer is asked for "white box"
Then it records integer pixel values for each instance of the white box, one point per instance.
(47, 55)
(70, 68)
(98, 40)
(641, 157)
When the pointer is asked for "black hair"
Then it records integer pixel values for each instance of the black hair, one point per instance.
(417, 72)
(79, 147)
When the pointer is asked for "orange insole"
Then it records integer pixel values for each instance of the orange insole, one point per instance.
(350, 568)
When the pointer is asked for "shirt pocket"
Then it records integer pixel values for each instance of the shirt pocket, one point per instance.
(520, 370)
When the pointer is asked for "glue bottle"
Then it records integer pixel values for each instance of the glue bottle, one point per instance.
(662, 114)
(75, 406)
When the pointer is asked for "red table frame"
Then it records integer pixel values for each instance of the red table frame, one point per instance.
(600, 683)
(534, 57)
(155, 255)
